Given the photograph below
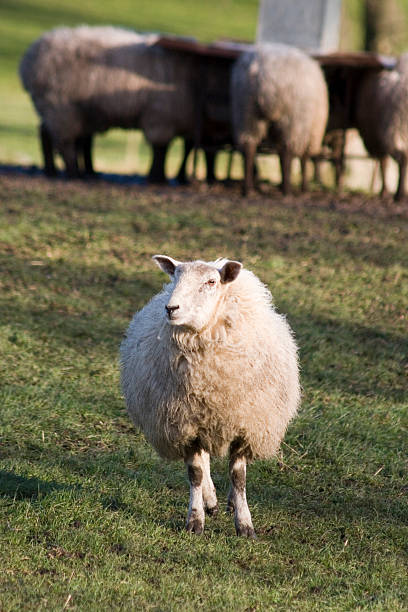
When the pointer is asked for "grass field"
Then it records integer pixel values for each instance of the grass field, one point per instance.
(91, 519)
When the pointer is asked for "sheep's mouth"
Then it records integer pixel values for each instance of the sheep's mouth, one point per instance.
(181, 325)
(173, 321)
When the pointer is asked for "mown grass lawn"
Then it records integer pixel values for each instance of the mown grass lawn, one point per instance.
(90, 518)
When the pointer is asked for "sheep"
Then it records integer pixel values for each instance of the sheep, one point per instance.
(382, 119)
(208, 367)
(87, 79)
(278, 94)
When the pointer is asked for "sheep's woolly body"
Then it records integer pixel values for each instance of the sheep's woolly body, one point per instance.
(382, 111)
(279, 93)
(236, 379)
(87, 79)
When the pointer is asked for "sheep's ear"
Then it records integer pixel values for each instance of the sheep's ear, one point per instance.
(167, 264)
(230, 271)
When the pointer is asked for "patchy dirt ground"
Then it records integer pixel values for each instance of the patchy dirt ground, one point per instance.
(268, 195)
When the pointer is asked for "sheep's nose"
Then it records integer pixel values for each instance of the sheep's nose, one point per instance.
(170, 310)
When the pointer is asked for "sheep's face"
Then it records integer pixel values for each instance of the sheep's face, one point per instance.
(197, 290)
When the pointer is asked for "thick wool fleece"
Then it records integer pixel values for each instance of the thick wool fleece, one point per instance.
(237, 378)
(88, 79)
(382, 111)
(279, 93)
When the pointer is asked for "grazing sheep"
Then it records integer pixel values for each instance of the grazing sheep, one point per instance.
(85, 80)
(382, 119)
(279, 95)
(209, 367)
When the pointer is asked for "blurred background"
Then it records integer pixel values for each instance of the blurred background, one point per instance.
(376, 25)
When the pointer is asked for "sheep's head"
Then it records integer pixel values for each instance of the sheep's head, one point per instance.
(197, 290)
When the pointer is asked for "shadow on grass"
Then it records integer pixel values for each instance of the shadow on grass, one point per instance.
(72, 322)
(330, 493)
(99, 178)
(19, 487)
(328, 234)
(350, 358)
(292, 495)
(334, 354)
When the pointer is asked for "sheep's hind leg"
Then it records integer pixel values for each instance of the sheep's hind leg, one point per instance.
(157, 173)
(402, 163)
(230, 501)
(69, 155)
(181, 177)
(237, 496)
(249, 159)
(84, 146)
(285, 158)
(195, 470)
(209, 494)
(383, 169)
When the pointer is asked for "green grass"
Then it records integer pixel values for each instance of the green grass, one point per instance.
(90, 518)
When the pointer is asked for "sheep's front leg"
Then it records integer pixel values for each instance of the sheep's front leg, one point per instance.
(69, 155)
(304, 167)
(285, 158)
(195, 470)
(237, 497)
(209, 494)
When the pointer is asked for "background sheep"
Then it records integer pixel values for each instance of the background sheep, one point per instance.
(88, 79)
(382, 119)
(278, 94)
(209, 367)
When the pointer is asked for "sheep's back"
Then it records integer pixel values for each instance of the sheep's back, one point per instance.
(106, 77)
(280, 85)
(293, 94)
(62, 58)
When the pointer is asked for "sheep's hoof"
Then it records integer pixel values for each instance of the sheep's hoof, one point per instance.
(195, 525)
(246, 531)
(212, 510)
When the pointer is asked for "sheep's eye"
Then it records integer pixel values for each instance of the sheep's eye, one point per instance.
(211, 282)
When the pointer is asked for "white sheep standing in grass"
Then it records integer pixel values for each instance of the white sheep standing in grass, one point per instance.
(209, 368)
